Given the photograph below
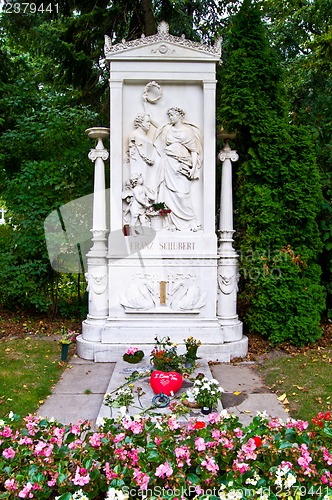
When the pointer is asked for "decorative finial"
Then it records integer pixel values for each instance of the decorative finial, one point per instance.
(163, 28)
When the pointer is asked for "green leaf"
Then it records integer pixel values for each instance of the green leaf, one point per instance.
(193, 478)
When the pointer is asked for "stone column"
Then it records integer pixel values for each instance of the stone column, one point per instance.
(228, 258)
(96, 258)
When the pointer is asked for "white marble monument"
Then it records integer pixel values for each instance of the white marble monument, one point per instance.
(156, 267)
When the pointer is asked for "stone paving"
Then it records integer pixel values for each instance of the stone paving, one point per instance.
(80, 392)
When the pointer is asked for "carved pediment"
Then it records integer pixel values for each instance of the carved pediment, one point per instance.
(161, 46)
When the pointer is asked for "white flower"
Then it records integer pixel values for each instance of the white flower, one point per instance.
(11, 416)
(79, 495)
(263, 415)
(289, 481)
(114, 494)
(100, 422)
(2, 423)
(224, 414)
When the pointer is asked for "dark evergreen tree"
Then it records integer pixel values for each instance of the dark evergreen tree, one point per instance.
(277, 189)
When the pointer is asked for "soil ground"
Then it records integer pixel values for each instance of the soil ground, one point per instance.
(20, 324)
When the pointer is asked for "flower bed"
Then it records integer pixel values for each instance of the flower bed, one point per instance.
(269, 459)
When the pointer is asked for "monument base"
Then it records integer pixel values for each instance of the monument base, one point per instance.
(213, 347)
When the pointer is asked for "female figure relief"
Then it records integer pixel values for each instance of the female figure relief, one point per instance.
(179, 146)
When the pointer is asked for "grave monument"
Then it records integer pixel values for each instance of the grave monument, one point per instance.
(156, 267)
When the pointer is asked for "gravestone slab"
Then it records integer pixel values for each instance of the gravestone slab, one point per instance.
(123, 370)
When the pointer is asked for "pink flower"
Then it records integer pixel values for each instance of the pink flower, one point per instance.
(132, 350)
(141, 479)
(305, 460)
(301, 425)
(199, 490)
(133, 425)
(9, 452)
(164, 470)
(94, 440)
(75, 444)
(216, 434)
(75, 429)
(109, 472)
(213, 418)
(227, 443)
(275, 423)
(327, 456)
(119, 437)
(240, 466)
(7, 432)
(81, 477)
(52, 481)
(248, 448)
(210, 464)
(173, 423)
(25, 440)
(121, 453)
(200, 444)
(238, 432)
(182, 453)
(133, 455)
(10, 485)
(157, 441)
(327, 478)
(284, 464)
(58, 433)
(25, 492)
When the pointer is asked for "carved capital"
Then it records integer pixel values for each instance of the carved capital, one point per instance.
(226, 154)
(98, 153)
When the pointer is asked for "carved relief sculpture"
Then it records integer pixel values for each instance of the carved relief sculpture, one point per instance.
(138, 198)
(177, 293)
(179, 145)
(185, 295)
(141, 149)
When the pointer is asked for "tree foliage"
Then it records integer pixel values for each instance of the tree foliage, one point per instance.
(278, 192)
(274, 88)
(301, 32)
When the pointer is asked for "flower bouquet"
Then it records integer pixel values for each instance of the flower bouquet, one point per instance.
(67, 336)
(133, 355)
(164, 356)
(122, 398)
(159, 209)
(192, 346)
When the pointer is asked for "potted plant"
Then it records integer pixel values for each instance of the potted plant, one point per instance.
(164, 356)
(67, 337)
(192, 346)
(207, 393)
(133, 355)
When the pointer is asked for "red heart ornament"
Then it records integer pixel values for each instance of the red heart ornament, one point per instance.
(165, 382)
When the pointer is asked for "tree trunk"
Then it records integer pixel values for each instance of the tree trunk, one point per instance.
(149, 20)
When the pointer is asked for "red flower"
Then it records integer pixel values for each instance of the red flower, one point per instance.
(258, 441)
(199, 424)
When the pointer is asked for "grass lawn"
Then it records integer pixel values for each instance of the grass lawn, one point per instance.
(29, 368)
(302, 380)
